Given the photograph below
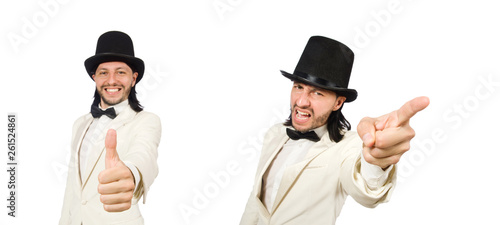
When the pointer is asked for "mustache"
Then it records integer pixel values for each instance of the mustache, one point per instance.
(304, 108)
(113, 85)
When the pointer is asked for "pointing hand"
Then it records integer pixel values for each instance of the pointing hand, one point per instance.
(387, 138)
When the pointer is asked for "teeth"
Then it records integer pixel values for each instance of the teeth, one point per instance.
(302, 113)
(112, 90)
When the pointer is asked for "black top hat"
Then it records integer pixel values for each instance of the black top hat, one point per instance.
(325, 63)
(115, 46)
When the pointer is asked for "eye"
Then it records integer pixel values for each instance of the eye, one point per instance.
(102, 73)
(318, 93)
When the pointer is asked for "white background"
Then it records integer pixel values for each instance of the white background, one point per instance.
(212, 75)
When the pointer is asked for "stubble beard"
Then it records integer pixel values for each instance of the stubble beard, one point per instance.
(109, 102)
(316, 121)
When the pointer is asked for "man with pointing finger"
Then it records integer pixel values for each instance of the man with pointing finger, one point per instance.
(114, 148)
(312, 162)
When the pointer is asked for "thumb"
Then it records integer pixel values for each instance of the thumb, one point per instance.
(111, 155)
(366, 131)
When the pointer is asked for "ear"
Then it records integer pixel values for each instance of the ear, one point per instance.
(338, 102)
(93, 77)
(134, 77)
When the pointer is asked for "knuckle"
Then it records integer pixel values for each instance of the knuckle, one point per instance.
(127, 206)
(376, 153)
(369, 158)
(395, 159)
(125, 173)
(366, 118)
(103, 199)
(128, 196)
(130, 186)
(380, 140)
(411, 133)
(406, 147)
(363, 122)
(100, 189)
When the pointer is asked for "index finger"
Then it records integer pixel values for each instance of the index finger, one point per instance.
(410, 108)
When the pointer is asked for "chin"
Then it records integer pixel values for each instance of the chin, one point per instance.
(113, 102)
(301, 128)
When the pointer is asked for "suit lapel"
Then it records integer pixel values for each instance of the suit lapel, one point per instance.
(292, 173)
(97, 150)
(271, 150)
(81, 131)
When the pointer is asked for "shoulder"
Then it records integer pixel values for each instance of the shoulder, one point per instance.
(350, 136)
(350, 139)
(147, 120)
(276, 129)
(350, 143)
(144, 115)
(82, 119)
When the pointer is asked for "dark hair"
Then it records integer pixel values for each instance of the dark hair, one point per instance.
(336, 124)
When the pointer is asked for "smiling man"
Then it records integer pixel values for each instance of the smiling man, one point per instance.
(312, 162)
(114, 148)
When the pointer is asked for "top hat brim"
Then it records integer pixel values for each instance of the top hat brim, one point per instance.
(350, 94)
(94, 61)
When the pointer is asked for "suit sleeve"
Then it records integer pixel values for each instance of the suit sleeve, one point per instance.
(250, 215)
(72, 173)
(355, 185)
(143, 151)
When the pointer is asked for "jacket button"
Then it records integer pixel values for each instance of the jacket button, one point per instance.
(84, 202)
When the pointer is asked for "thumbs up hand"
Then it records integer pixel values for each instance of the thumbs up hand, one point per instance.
(387, 138)
(116, 182)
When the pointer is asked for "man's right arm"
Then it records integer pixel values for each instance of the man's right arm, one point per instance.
(72, 172)
(251, 214)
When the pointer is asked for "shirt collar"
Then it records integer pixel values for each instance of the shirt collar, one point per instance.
(320, 131)
(118, 107)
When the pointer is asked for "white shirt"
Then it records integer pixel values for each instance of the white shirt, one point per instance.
(294, 151)
(96, 128)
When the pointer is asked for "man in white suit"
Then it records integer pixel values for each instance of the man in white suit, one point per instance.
(114, 148)
(312, 162)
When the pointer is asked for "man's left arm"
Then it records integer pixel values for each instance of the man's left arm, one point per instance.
(143, 152)
(385, 140)
(118, 184)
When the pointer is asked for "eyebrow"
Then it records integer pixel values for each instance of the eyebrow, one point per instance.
(313, 88)
(118, 68)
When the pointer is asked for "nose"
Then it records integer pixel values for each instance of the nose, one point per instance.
(303, 100)
(111, 78)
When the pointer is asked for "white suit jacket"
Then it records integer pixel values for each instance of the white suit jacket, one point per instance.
(314, 190)
(138, 137)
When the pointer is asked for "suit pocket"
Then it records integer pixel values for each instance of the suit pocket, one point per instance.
(315, 167)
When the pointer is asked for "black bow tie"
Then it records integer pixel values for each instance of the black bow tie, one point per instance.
(296, 135)
(97, 112)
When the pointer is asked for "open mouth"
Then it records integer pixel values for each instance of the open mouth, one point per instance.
(301, 116)
(112, 91)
